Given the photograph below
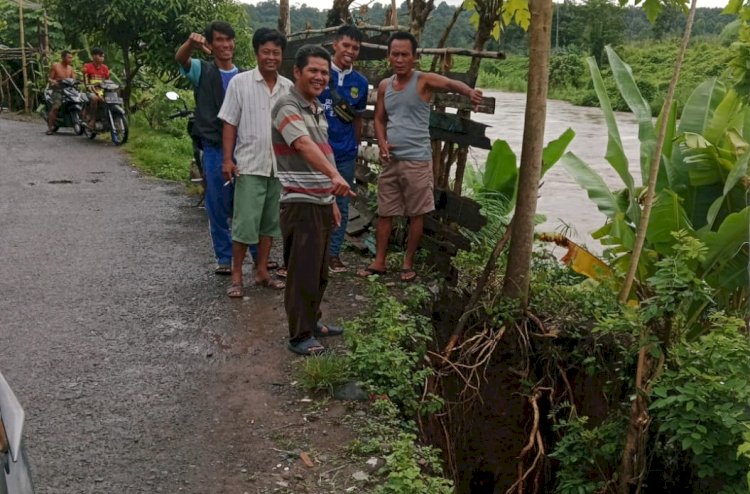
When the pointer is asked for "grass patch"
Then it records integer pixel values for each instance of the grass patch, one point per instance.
(323, 372)
(159, 153)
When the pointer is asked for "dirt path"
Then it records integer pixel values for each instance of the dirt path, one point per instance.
(137, 373)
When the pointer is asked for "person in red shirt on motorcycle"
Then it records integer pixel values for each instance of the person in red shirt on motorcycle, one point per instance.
(94, 73)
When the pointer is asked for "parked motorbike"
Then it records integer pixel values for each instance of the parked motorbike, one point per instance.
(69, 114)
(16, 477)
(110, 115)
(197, 162)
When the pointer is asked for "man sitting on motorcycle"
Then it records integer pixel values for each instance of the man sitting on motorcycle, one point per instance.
(94, 73)
(59, 71)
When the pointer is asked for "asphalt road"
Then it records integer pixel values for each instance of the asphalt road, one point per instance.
(106, 298)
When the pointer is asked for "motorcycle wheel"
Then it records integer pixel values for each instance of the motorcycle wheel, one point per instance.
(77, 124)
(119, 130)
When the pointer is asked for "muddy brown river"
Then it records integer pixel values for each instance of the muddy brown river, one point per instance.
(561, 200)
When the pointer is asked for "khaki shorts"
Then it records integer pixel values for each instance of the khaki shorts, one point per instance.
(256, 208)
(405, 188)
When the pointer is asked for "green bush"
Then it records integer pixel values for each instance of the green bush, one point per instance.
(158, 153)
(587, 455)
(386, 349)
(702, 403)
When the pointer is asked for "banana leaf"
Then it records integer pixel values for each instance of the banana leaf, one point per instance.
(667, 216)
(592, 183)
(670, 174)
(615, 154)
(555, 149)
(700, 105)
(501, 170)
(628, 88)
(728, 243)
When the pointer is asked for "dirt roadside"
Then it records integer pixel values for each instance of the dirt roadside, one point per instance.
(137, 372)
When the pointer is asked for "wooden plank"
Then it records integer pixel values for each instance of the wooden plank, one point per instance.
(443, 126)
(462, 210)
(357, 226)
(438, 246)
(466, 140)
(434, 228)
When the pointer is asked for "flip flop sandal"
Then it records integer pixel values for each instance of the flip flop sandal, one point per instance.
(281, 272)
(368, 271)
(271, 265)
(336, 266)
(235, 290)
(324, 330)
(408, 275)
(306, 348)
(223, 270)
(271, 283)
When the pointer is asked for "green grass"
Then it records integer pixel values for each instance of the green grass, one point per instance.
(323, 372)
(159, 153)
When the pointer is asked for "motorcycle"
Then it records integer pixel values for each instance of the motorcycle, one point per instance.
(69, 114)
(16, 477)
(110, 115)
(197, 162)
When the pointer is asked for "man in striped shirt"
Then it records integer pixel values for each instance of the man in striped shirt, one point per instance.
(246, 113)
(309, 180)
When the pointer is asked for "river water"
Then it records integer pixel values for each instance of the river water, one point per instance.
(561, 200)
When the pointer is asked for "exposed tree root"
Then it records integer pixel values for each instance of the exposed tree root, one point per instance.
(535, 442)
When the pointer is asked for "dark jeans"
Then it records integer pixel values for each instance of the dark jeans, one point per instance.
(346, 169)
(306, 231)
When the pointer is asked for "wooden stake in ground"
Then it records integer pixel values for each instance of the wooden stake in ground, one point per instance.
(516, 284)
(23, 58)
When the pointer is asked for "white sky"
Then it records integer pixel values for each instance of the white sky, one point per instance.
(326, 4)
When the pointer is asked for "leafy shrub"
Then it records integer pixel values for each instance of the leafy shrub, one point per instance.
(587, 455)
(566, 70)
(411, 467)
(702, 403)
(387, 348)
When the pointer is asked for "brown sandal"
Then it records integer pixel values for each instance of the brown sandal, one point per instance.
(235, 290)
(271, 283)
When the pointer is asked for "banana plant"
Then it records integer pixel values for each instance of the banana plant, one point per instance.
(501, 169)
(702, 186)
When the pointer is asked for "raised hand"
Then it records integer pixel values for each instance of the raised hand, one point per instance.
(198, 42)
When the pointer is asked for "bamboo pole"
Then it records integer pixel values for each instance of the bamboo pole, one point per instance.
(361, 27)
(23, 58)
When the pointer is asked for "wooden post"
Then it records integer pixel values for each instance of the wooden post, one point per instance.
(285, 22)
(516, 284)
(23, 58)
(46, 35)
(394, 13)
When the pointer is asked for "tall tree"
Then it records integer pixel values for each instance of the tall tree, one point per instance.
(516, 283)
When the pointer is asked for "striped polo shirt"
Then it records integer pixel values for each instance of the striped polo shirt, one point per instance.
(294, 117)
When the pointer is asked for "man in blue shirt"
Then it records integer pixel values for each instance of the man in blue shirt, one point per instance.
(344, 100)
(210, 80)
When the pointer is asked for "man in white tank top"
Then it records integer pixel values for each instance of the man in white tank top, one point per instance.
(402, 119)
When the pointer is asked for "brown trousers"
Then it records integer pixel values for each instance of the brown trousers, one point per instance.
(306, 232)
